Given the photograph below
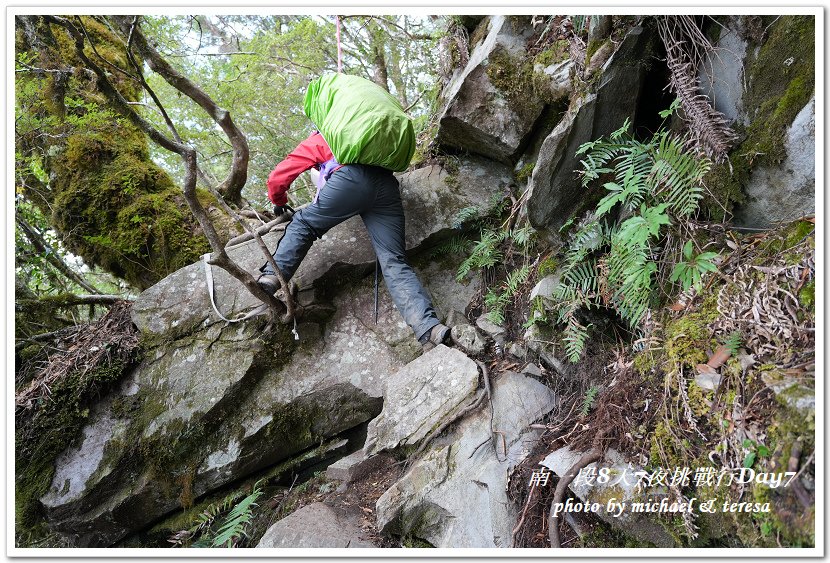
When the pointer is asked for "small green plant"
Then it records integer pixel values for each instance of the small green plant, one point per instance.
(753, 451)
(733, 342)
(497, 301)
(232, 529)
(689, 272)
(588, 402)
(485, 253)
(464, 216)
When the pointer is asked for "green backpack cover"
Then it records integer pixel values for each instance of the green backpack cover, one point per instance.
(361, 122)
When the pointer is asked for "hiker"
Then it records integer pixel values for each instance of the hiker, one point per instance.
(345, 190)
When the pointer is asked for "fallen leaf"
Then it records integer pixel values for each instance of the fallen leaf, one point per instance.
(719, 358)
(706, 369)
(677, 306)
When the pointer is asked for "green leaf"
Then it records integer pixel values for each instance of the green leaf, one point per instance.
(763, 451)
(749, 460)
(687, 250)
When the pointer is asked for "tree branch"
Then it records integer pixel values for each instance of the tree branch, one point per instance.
(231, 187)
(51, 256)
(188, 155)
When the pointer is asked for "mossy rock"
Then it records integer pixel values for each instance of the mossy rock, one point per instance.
(780, 82)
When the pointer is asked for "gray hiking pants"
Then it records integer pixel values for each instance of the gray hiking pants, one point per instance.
(371, 192)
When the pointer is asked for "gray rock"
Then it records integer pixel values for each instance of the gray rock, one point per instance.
(489, 327)
(420, 396)
(468, 338)
(455, 318)
(555, 189)
(219, 405)
(478, 117)
(545, 287)
(559, 83)
(356, 465)
(708, 381)
(314, 525)
(787, 191)
(432, 197)
(455, 494)
(643, 526)
(532, 369)
(791, 392)
(722, 75)
(541, 345)
(517, 350)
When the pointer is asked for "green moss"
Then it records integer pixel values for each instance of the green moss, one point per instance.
(776, 92)
(124, 212)
(807, 296)
(785, 239)
(688, 338)
(516, 80)
(557, 51)
(700, 400)
(548, 266)
(54, 425)
(593, 46)
(524, 173)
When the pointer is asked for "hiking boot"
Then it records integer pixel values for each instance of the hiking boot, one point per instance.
(439, 334)
(269, 282)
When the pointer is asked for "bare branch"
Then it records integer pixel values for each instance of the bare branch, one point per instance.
(188, 155)
(51, 256)
(231, 187)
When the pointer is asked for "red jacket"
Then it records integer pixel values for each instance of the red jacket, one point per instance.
(312, 152)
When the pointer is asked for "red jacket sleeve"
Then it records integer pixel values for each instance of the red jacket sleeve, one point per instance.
(309, 153)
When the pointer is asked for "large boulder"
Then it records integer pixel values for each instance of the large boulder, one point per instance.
(762, 78)
(555, 189)
(432, 197)
(207, 408)
(455, 495)
(488, 106)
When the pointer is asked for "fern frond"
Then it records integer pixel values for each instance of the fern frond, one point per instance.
(233, 528)
(588, 402)
(465, 215)
(575, 336)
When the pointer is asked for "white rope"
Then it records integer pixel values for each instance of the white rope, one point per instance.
(209, 278)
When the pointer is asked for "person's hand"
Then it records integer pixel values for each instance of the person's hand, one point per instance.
(280, 209)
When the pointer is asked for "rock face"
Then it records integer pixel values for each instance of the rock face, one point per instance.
(722, 76)
(555, 189)
(432, 196)
(642, 526)
(212, 403)
(479, 116)
(785, 192)
(455, 495)
(314, 525)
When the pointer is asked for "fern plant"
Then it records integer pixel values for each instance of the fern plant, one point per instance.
(651, 183)
(485, 253)
(497, 301)
(233, 527)
(201, 533)
(588, 402)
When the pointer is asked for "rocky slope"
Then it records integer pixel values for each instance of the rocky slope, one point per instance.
(212, 405)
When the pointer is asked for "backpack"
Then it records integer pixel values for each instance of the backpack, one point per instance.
(361, 122)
